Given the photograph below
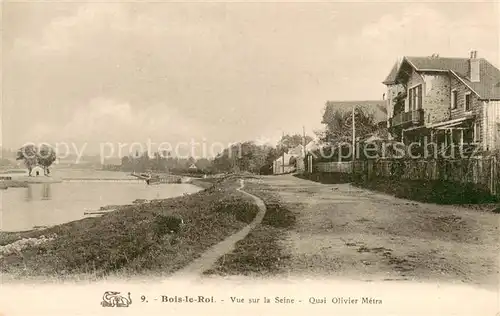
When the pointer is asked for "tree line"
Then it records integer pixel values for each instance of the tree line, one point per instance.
(162, 162)
(251, 157)
(240, 157)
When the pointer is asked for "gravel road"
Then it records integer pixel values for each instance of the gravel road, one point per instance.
(343, 231)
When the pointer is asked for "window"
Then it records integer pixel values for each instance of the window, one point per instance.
(419, 100)
(415, 97)
(456, 136)
(468, 136)
(454, 99)
(476, 132)
(468, 102)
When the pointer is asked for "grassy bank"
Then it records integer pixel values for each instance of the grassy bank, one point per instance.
(261, 252)
(204, 183)
(438, 192)
(145, 238)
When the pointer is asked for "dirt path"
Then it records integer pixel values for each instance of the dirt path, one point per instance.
(209, 257)
(343, 231)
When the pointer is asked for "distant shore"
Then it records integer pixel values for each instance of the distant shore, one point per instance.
(24, 181)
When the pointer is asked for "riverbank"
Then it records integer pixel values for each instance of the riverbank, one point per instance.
(142, 239)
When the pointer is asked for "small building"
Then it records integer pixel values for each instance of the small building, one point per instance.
(193, 168)
(37, 171)
(284, 164)
(291, 161)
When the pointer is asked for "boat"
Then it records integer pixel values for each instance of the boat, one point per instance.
(148, 177)
(153, 181)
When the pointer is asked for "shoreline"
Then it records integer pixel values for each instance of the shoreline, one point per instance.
(105, 209)
(137, 239)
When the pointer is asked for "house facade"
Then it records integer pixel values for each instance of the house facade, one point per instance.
(291, 161)
(284, 164)
(444, 100)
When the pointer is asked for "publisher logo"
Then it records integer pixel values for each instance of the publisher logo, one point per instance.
(114, 299)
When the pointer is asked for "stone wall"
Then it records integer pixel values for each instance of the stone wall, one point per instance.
(437, 98)
(476, 105)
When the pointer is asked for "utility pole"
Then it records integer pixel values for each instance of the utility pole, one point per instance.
(304, 135)
(283, 153)
(353, 133)
(304, 153)
(304, 139)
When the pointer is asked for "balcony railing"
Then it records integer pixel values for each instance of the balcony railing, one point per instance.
(415, 117)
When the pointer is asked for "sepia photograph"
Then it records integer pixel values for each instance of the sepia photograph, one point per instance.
(250, 157)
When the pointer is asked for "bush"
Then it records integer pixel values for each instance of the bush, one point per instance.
(439, 192)
(278, 216)
(166, 224)
(243, 210)
(327, 177)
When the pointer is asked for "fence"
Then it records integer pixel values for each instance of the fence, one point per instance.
(481, 171)
(340, 167)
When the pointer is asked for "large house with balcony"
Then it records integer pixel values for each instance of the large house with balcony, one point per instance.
(445, 100)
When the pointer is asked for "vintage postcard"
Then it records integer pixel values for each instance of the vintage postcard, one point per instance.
(250, 158)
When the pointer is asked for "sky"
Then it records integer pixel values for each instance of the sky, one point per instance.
(217, 72)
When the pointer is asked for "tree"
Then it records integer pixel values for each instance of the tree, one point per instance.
(273, 154)
(338, 124)
(225, 162)
(204, 165)
(45, 157)
(28, 154)
(159, 163)
(291, 141)
(190, 161)
(126, 163)
(252, 157)
(246, 156)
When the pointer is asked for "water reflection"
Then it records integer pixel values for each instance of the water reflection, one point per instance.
(46, 193)
(56, 203)
(29, 193)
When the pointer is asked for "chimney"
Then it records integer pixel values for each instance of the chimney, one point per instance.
(474, 67)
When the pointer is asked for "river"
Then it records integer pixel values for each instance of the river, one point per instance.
(50, 204)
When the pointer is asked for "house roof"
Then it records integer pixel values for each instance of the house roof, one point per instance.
(312, 145)
(377, 107)
(285, 157)
(487, 88)
(391, 77)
